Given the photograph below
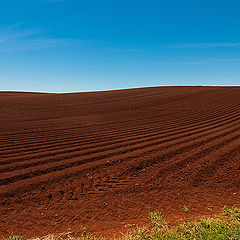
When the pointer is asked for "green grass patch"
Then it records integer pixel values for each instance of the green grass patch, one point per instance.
(225, 226)
(187, 208)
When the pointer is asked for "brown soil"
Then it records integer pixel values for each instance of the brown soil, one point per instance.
(106, 159)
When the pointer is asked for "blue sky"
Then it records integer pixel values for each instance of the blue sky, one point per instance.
(83, 45)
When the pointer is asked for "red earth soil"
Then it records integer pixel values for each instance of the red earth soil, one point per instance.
(106, 159)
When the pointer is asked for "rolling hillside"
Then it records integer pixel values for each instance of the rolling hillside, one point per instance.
(106, 159)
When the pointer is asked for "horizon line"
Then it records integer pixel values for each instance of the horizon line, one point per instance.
(109, 90)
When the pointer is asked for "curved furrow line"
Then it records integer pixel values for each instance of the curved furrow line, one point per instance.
(209, 168)
(82, 127)
(23, 184)
(215, 91)
(41, 146)
(199, 155)
(136, 139)
(60, 134)
(71, 150)
(38, 135)
(120, 143)
(48, 131)
(35, 161)
(74, 162)
(45, 161)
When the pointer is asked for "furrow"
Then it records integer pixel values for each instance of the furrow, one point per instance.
(73, 162)
(199, 155)
(29, 138)
(120, 143)
(41, 146)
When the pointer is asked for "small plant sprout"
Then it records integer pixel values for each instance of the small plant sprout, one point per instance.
(225, 226)
(157, 220)
(233, 214)
(186, 208)
(15, 238)
(84, 231)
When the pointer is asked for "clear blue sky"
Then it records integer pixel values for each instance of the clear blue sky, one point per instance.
(82, 45)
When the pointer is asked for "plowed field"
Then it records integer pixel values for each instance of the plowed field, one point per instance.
(106, 159)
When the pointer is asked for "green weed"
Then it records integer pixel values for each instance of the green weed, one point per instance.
(223, 227)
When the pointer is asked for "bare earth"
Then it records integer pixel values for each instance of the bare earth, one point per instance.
(106, 159)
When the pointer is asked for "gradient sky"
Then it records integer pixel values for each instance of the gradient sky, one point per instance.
(82, 45)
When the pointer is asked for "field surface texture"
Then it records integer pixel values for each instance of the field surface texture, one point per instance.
(106, 159)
